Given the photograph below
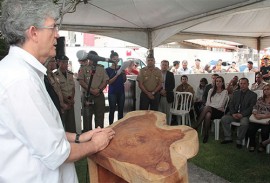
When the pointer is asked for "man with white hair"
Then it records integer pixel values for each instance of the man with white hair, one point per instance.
(35, 147)
(185, 70)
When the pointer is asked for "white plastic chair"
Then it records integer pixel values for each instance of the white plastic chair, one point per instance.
(181, 107)
(237, 124)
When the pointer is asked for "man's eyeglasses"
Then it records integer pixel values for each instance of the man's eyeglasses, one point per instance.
(54, 27)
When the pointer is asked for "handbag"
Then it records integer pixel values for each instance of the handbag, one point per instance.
(260, 121)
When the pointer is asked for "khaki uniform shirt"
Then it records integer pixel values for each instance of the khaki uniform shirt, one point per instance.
(98, 78)
(67, 85)
(150, 79)
(185, 88)
(198, 70)
(80, 69)
(56, 87)
(256, 86)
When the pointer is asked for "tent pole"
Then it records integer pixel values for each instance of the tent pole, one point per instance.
(259, 49)
(150, 43)
(259, 43)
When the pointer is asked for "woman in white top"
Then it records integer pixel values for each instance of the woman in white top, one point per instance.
(214, 107)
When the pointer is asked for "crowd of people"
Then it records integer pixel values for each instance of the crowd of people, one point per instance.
(210, 100)
(220, 67)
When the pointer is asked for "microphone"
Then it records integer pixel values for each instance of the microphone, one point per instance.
(92, 55)
(96, 58)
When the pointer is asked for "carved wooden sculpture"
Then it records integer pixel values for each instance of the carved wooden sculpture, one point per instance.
(145, 149)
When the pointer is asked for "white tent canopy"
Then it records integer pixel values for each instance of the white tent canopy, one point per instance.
(150, 23)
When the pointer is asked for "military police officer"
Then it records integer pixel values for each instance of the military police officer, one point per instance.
(94, 78)
(67, 85)
(150, 82)
(55, 87)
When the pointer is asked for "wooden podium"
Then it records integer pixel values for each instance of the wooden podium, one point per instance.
(145, 149)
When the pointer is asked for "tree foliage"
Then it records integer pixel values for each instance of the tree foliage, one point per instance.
(3, 45)
(3, 48)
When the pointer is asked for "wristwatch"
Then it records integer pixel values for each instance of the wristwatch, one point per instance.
(153, 93)
(77, 138)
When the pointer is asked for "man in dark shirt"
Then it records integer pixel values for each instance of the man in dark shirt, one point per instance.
(241, 105)
(166, 93)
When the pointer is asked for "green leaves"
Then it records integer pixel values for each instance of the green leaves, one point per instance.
(3, 48)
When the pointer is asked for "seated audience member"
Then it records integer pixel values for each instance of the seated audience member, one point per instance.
(259, 84)
(217, 68)
(240, 108)
(250, 67)
(264, 70)
(132, 69)
(197, 69)
(184, 86)
(199, 95)
(232, 86)
(185, 69)
(175, 69)
(208, 87)
(233, 68)
(214, 107)
(260, 111)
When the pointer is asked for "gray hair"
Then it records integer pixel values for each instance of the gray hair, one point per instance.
(184, 62)
(20, 15)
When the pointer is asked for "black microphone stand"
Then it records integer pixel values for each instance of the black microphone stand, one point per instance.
(88, 94)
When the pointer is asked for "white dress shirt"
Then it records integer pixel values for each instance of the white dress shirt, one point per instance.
(33, 141)
(185, 71)
(218, 100)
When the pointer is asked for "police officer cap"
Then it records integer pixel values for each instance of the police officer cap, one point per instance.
(176, 62)
(82, 55)
(62, 58)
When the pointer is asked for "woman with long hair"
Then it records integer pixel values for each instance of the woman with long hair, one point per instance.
(261, 110)
(214, 107)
